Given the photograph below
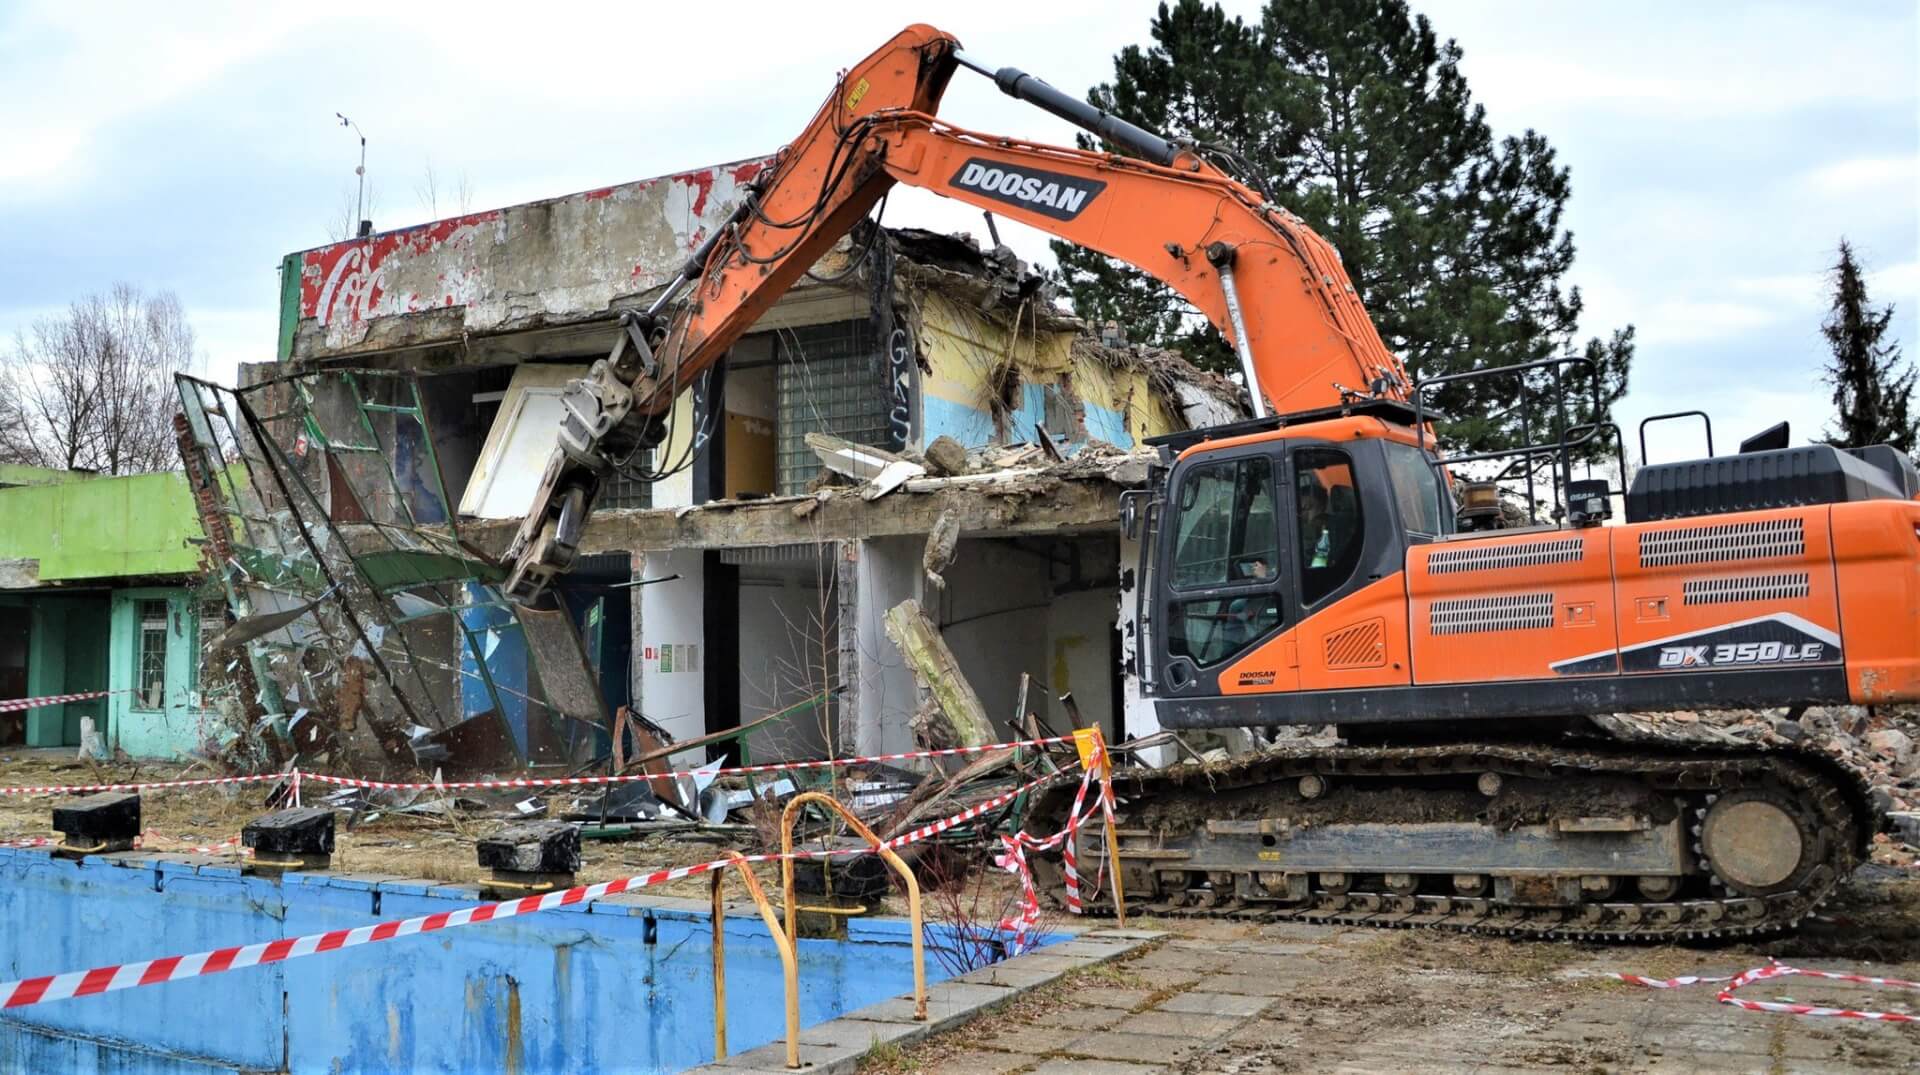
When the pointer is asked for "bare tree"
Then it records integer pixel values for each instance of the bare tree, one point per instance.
(344, 224)
(428, 190)
(92, 389)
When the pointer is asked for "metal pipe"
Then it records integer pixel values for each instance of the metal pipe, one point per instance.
(1222, 257)
(782, 939)
(1092, 744)
(787, 817)
(719, 966)
(1017, 83)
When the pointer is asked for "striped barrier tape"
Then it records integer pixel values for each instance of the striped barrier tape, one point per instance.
(113, 977)
(147, 785)
(769, 767)
(1014, 849)
(1777, 969)
(531, 782)
(13, 705)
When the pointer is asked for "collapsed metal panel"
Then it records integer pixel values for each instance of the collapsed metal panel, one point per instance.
(373, 633)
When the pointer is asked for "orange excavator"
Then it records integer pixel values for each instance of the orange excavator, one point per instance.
(1324, 564)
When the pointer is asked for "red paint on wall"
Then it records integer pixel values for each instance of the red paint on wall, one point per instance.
(344, 282)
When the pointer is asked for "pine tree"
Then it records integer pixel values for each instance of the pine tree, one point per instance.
(1354, 114)
(1872, 385)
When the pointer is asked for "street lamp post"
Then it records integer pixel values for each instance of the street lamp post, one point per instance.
(360, 198)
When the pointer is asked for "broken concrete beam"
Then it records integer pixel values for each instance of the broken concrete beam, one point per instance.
(934, 665)
(99, 823)
(298, 838)
(942, 542)
(945, 457)
(538, 856)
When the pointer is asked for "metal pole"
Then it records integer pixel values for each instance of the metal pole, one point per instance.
(1222, 257)
(1113, 841)
(719, 966)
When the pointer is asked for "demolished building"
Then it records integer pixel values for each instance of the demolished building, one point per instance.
(416, 398)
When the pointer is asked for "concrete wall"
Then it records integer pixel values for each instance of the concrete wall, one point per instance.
(887, 573)
(101, 527)
(781, 661)
(672, 637)
(543, 263)
(1080, 656)
(965, 348)
(619, 984)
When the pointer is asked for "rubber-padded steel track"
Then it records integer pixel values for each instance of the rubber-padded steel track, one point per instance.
(1832, 798)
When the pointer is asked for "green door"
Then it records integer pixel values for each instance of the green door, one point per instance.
(153, 712)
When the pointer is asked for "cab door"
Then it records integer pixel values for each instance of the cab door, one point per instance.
(1222, 561)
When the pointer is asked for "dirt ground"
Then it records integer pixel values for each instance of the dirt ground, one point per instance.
(437, 847)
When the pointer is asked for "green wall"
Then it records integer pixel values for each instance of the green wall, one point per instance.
(102, 527)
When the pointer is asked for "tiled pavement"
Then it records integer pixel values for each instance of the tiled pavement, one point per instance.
(1330, 1000)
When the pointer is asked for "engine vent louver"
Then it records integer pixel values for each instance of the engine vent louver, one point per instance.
(1363, 645)
(1745, 588)
(1472, 615)
(1760, 540)
(1494, 557)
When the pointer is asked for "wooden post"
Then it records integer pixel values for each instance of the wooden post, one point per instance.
(933, 663)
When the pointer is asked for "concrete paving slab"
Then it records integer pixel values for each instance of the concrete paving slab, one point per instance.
(1179, 1024)
(1015, 974)
(1251, 985)
(1154, 1049)
(1229, 1004)
(948, 1003)
(1126, 934)
(1095, 1067)
(1099, 995)
(982, 1062)
(1052, 1031)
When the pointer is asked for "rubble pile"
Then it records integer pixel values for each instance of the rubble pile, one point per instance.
(1882, 741)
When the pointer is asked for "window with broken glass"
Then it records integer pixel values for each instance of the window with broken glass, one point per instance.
(830, 380)
(150, 654)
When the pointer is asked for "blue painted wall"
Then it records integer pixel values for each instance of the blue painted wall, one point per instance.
(973, 427)
(615, 985)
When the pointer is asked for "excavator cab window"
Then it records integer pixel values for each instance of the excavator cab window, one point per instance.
(1226, 545)
(1417, 491)
(1328, 505)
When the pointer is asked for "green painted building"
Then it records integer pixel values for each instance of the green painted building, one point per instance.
(94, 595)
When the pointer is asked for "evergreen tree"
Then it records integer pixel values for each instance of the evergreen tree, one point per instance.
(1872, 385)
(1354, 114)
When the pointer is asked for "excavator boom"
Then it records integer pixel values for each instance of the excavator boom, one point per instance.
(1256, 271)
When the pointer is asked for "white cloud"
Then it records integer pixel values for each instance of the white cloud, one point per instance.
(1867, 175)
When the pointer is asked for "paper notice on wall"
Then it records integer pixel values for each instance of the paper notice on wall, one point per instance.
(674, 657)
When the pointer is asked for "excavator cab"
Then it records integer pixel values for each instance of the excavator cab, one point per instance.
(1264, 525)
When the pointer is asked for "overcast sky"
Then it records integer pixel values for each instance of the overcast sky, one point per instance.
(1718, 151)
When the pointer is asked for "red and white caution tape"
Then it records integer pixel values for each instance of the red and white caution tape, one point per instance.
(1777, 969)
(113, 977)
(1013, 859)
(624, 778)
(525, 782)
(149, 785)
(13, 705)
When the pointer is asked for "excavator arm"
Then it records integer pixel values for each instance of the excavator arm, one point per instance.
(1259, 274)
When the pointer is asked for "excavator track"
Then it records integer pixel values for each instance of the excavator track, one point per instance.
(1249, 838)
